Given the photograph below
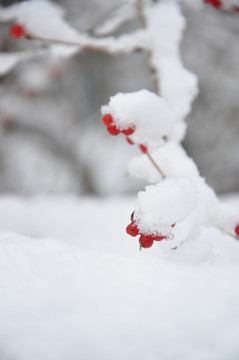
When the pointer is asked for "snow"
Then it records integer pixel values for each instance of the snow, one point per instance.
(172, 160)
(160, 206)
(74, 285)
(37, 78)
(40, 17)
(123, 13)
(9, 60)
(187, 202)
(165, 25)
(151, 115)
(44, 20)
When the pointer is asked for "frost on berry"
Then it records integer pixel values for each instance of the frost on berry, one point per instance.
(129, 131)
(17, 31)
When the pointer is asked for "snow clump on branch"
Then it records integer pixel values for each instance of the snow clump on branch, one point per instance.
(152, 117)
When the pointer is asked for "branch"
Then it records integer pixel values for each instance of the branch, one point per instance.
(134, 42)
(153, 70)
(114, 20)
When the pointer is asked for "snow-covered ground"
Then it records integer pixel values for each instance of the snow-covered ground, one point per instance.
(73, 285)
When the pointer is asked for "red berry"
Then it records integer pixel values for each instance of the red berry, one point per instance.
(16, 31)
(146, 241)
(129, 140)
(173, 225)
(215, 3)
(107, 119)
(143, 148)
(132, 229)
(112, 129)
(159, 238)
(129, 131)
(237, 230)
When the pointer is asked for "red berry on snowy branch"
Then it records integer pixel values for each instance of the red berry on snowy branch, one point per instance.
(17, 31)
(129, 141)
(159, 238)
(107, 119)
(113, 130)
(129, 131)
(143, 148)
(237, 230)
(132, 229)
(146, 241)
(215, 3)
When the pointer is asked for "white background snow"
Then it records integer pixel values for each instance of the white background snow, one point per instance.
(75, 286)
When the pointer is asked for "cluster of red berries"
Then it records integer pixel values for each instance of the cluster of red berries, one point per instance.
(217, 4)
(145, 241)
(112, 128)
(17, 31)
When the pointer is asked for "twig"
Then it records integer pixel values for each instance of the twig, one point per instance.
(152, 68)
(229, 233)
(92, 45)
(154, 75)
(155, 165)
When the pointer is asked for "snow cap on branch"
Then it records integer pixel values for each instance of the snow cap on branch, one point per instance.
(151, 115)
(40, 18)
(165, 26)
(163, 204)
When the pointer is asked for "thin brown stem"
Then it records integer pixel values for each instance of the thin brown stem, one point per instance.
(229, 233)
(103, 48)
(155, 165)
(64, 42)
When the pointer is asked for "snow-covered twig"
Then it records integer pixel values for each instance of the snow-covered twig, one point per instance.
(113, 21)
(135, 42)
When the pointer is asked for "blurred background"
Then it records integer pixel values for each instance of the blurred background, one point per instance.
(51, 137)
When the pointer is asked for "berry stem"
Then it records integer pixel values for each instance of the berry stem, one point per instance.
(228, 233)
(219, 228)
(155, 165)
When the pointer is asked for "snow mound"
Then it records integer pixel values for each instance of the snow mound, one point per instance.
(87, 292)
